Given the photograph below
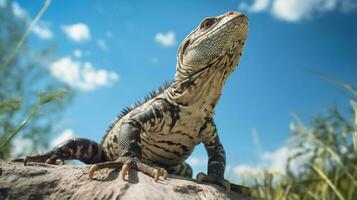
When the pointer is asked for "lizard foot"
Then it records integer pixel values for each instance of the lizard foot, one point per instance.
(44, 158)
(201, 177)
(129, 162)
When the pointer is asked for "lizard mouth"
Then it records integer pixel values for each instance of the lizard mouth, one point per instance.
(239, 24)
(200, 70)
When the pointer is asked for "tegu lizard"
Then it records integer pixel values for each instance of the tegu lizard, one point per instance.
(157, 135)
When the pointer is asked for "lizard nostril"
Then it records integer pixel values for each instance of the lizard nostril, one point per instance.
(231, 13)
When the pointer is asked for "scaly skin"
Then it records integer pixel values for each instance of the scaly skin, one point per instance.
(157, 135)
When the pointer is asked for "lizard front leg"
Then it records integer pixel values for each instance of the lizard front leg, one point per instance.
(216, 154)
(217, 160)
(130, 152)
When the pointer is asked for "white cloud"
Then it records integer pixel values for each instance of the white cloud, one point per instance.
(166, 40)
(244, 6)
(81, 75)
(244, 170)
(78, 32)
(297, 10)
(274, 162)
(294, 10)
(259, 5)
(196, 162)
(18, 10)
(77, 53)
(42, 31)
(65, 135)
(102, 45)
(21, 146)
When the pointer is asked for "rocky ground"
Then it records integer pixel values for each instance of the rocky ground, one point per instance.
(41, 181)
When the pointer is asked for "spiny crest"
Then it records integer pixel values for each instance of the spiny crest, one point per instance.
(152, 94)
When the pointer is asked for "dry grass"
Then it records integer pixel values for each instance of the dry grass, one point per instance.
(331, 170)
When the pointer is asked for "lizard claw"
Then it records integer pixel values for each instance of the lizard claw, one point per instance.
(127, 163)
(201, 177)
(160, 172)
(92, 170)
(124, 171)
(227, 185)
(164, 173)
(156, 173)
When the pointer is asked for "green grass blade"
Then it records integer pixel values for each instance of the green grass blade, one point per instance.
(328, 181)
(18, 128)
(333, 80)
(45, 98)
(27, 32)
(334, 155)
(313, 195)
(354, 136)
(10, 105)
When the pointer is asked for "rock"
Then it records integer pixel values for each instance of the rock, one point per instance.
(42, 181)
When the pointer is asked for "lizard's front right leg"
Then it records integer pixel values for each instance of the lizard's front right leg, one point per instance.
(130, 145)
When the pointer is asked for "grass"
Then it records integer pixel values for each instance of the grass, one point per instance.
(24, 36)
(330, 172)
(354, 105)
(328, 182)
(15, 103)
(43, 98)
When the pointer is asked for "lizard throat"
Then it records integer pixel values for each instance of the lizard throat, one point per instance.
(201, 90)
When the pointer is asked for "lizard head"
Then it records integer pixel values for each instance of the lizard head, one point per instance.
(217, 41)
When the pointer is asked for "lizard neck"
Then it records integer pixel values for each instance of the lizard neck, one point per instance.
(200, 93)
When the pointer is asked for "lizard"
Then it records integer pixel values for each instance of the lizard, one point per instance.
(158, 134)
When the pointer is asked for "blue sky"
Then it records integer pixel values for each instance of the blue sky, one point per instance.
(114, 52)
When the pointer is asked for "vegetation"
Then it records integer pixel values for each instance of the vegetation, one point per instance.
(26, 89)
(322, 162)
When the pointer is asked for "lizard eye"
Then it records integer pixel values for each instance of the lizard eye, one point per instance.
(207, 23)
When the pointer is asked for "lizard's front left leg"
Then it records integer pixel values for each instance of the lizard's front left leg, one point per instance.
(217, 160)
(216, 154)
(130, 145)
